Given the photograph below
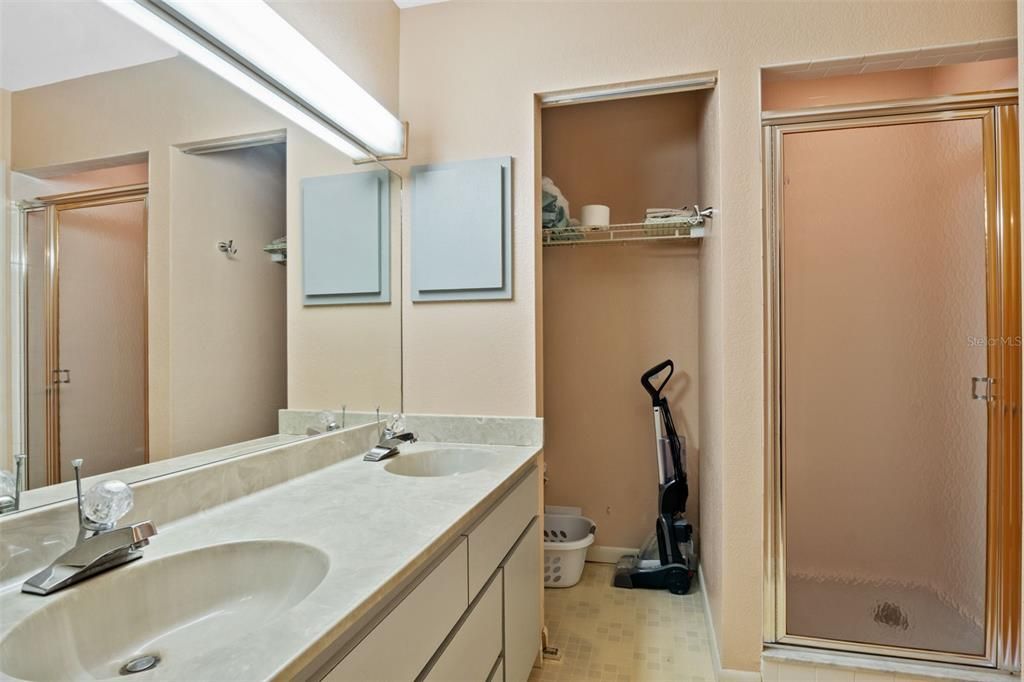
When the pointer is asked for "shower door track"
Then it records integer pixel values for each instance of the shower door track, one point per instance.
(999, 116)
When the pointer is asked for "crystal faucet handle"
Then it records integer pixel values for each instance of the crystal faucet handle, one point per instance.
(107, 501)
(8, 485)
(327, 421)
(397, 424)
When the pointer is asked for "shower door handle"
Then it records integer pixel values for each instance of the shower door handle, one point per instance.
(986, 393)
(66, 379)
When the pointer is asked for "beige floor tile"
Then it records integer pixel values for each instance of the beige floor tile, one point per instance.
(606, 633)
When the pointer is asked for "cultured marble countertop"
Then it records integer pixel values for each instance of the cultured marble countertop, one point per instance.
(375, 527)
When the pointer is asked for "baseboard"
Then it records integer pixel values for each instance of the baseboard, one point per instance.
(601, 554)
(721, 674)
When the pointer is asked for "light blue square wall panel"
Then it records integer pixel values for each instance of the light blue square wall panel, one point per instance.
(346, 238)
(462, 230)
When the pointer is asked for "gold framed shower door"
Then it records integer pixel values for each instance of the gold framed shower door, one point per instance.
(53, 206)
(998, 115)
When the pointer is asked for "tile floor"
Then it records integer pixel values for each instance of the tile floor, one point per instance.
(607, 633)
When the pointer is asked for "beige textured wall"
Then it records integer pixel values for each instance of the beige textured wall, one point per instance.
(140, 110)
(345, 355)
(629, 154)
(236, 388)
(28, 187)
(711, 323)
(5, 125)
(612, 312)
(469, 73)
(992, 74)
(151, 110)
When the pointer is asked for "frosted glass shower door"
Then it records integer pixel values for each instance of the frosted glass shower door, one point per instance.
(101, 373)
(884, 276)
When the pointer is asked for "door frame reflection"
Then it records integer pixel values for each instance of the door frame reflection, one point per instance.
(53, 206)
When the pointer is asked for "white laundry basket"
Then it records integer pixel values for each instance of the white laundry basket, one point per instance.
(566, 539)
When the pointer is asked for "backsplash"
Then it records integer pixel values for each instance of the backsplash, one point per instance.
(433, 427)
(31, 539)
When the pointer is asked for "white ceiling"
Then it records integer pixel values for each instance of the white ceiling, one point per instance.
(47, 41)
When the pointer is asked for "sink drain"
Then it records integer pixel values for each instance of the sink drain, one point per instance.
(140, 664)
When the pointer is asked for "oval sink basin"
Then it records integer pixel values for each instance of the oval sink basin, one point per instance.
(441, 462)
(176, 608)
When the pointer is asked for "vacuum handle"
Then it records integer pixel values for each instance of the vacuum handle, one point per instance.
(645, 380)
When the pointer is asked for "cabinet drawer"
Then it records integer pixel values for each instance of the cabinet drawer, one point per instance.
(493, 537)
(416, 627)
(471, 653)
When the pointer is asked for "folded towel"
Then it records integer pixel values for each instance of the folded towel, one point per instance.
(554, 205)
(563, 234)
(668, 213)
(667, 219)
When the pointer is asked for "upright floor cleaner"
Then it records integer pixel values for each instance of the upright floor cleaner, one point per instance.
(667, 560)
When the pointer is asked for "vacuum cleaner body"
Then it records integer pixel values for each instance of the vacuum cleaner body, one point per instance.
(667, 560)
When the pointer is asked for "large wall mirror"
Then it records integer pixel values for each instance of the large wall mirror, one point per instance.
(156, 311)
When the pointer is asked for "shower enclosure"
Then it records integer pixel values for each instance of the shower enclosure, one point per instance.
(894, 357)
(83, 331)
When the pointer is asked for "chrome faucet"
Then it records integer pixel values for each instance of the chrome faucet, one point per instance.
(394, 434)
(100, 546)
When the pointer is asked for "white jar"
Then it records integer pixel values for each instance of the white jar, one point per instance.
(595, 214)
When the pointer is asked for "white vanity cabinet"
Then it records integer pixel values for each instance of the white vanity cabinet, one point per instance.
(399, 646)
(498, 674)
(522, 589)
(473, 616)
(476, 645)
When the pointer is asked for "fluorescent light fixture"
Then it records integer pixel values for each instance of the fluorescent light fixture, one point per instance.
(251, 46)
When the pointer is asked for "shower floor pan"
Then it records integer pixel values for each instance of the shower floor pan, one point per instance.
(876, 613)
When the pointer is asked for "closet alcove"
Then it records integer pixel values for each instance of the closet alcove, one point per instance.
(614, 309)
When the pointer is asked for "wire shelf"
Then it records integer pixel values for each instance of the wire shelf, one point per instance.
(684, 228)
(278, 250)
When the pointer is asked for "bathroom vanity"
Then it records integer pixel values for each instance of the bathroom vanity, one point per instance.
(472, 614)
(424, 566)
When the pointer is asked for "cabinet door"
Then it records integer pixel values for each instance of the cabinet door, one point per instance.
(470, 654)
(495, 535)
(523, 594)
(498, 673)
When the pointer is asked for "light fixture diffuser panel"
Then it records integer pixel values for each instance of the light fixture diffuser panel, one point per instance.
(272, 47)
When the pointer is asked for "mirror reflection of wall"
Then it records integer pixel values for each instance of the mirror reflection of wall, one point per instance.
(155, 309)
